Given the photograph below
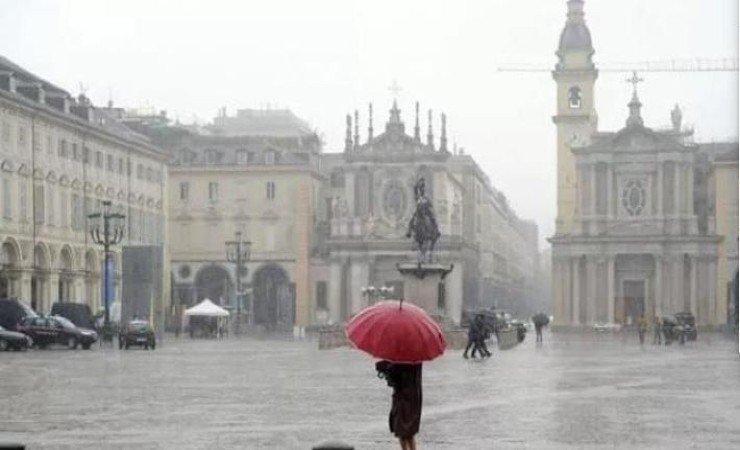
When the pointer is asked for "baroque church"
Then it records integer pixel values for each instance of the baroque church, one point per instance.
(642, 226)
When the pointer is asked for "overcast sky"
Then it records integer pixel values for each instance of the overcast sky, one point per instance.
(323, 59)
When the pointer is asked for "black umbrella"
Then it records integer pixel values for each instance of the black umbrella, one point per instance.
(540, 319)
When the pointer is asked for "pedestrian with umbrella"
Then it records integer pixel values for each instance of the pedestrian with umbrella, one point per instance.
(540, 321)
(403, 336)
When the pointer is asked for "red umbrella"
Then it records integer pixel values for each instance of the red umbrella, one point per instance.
(396, 331)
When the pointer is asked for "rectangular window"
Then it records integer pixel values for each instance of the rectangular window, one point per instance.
(62, 152)
(270, 190)
(99, 159)
(22, 137)
(86, 155)
(109, 163)
(213, 191)
(270, 158)
(184, 190)
(63, 210)
(7, 200)
(38, 205)
(242, 157)
(23, 200)
(75, 152)
(76, 212)
(50, 208)
(49, 145)
(120, 165)
(139, 171)
(321, 295)
(6, 132)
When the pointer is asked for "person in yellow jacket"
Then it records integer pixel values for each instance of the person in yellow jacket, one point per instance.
(642, 325)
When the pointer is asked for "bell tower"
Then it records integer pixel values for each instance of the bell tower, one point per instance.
(576, 119)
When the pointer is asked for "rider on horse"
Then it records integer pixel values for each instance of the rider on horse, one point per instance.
(423, 225)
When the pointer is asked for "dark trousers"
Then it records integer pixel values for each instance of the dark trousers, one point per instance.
(478, 345)
(539, 333)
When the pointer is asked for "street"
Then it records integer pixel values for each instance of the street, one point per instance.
(575, 391)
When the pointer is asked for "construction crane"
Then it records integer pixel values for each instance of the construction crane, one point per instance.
(671, 65)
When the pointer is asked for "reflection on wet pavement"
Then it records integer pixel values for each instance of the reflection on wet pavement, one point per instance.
(573, 391)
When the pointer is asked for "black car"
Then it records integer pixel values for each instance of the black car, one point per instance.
(137, 332)
(46, 331)
(12, 311)
(12, 340)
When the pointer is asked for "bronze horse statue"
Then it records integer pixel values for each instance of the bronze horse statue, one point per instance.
(423, 225)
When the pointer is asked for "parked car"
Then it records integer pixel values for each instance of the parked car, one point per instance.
(77, 313)
(13, 340)
(46, 331)
(137, 332)
(604, 327)
(12, 311)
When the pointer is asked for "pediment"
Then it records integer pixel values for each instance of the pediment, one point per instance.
(38, 174)
(76, 184)
(64, 180)
(7, 165)
(99, 190)
(88, 186)
(51, 177)
(110, 192)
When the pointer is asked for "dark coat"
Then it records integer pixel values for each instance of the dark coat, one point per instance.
(405, 415)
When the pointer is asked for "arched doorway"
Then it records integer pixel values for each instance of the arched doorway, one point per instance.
(274, 304)
(65, 275)
(9, 256)
(39, 279)
(213, 282)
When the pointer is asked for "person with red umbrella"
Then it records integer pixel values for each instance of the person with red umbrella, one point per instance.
(403, 336)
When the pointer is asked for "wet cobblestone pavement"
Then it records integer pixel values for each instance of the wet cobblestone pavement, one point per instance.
(589, 392)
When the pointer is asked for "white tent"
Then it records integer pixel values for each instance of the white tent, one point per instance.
(208, 309)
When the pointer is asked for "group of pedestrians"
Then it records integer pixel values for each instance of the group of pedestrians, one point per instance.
(478, 332)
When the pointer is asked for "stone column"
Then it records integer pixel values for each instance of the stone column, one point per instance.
(712, 297)
(693, 281)
(658, 285)
(591, 281)
(566, 266)
(576, 291)
(557, 293)
(610, 274)
(335, 291)
(24, 281)
(349, 192)
(592, 188)
(358, 280)
(677, 300)
(454, 292)
(689, 189)
(677, 197)
(609, 192)
(660, 189)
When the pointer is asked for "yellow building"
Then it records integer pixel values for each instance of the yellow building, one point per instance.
(60, 158)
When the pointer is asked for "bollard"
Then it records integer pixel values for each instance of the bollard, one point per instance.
(333, 445)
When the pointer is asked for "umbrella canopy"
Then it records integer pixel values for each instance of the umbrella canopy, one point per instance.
(206, 308)
(540, 319)
(396, 331)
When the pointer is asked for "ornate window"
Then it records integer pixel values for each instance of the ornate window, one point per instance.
(633, 197)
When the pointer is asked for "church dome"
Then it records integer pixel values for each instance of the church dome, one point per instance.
(575, 35)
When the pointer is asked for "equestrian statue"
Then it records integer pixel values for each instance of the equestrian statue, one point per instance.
(423, 227)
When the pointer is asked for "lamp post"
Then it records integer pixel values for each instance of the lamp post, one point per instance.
(106, 229)
(237, 252)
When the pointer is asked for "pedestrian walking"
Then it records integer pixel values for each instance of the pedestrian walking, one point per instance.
(642, 328)
(476, 338)
(656, 331)
(540, 321)
(405, 415)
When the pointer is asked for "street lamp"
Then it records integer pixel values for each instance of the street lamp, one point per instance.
(237, 252)
(106, 229)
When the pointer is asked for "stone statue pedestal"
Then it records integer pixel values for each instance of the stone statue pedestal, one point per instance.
(421, 285)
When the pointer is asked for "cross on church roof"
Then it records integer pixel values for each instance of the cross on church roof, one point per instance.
(395, 89)
(633, 80)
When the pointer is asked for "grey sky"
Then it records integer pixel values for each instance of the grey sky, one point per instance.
(323, 59)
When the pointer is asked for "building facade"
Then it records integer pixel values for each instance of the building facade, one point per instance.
(60, 158)
(637, 230)
(257, 173)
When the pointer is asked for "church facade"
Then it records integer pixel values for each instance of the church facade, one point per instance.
(636, 229)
